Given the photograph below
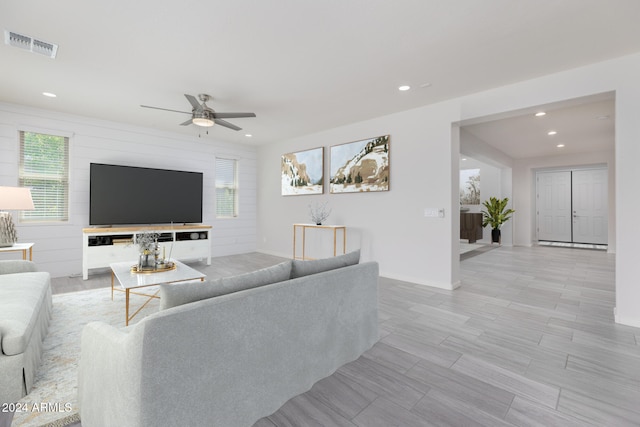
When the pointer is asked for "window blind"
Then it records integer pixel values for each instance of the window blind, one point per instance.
(226, 188)
(44, 167)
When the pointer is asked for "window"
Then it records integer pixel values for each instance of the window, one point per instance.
(226, 188)
(44, 167)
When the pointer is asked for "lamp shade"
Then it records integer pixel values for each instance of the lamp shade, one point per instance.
(16, 198)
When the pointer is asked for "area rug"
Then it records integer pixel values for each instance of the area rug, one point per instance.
(68, 421)
(53, 398)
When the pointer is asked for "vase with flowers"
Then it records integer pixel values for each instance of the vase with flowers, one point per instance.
(147, 242)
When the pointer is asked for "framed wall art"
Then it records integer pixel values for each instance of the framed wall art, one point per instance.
(360, 166)
(302, 172)
(470, 186)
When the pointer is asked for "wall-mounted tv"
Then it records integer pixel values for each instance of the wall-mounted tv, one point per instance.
(134, 195)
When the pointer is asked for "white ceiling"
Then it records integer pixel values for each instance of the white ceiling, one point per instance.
(301, 65)
(581, 125)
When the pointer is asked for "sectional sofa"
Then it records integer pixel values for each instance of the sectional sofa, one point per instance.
(230, 351)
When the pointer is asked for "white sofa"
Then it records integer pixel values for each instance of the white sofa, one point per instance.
(212, 358)
(25, 312)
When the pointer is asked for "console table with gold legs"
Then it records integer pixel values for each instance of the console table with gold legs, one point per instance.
(334, 228)
(20, 247)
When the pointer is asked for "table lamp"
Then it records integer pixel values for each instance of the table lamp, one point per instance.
(12, 198)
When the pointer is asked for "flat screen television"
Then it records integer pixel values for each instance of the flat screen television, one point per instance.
(122, 195)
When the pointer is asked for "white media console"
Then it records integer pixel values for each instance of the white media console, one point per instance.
(103, 246)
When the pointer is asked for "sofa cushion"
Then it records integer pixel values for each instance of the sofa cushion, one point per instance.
(172, 295)
(305, 268)
(10, 266)
(21, 299)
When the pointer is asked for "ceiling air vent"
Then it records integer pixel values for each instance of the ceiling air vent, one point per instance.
(30, 44)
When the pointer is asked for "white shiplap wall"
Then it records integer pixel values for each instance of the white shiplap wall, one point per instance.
(58, 246)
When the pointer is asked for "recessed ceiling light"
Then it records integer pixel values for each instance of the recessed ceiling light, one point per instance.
(540, 114)
(552, 132)
(49, 94)
(463, 159)
(248, 135)
(425, 85)
(404, 88)
(560, 145)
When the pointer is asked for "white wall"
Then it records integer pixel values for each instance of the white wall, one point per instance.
(390, 227)
(58, 246)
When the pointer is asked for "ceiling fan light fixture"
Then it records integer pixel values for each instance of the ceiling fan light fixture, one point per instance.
(203, 116)
(203, 122)
(202, 119)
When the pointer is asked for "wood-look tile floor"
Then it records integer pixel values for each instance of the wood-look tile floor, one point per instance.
(527, 340)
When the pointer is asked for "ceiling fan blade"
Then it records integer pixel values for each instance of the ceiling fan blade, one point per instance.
(166, 109)
(217, 115)
(194, 102)
(187, 123)
(226, 124)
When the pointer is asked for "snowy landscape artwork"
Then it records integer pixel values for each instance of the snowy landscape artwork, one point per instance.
(360, 166)
(302, 172)
(470, 186)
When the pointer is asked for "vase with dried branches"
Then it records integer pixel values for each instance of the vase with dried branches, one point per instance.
(319, 212)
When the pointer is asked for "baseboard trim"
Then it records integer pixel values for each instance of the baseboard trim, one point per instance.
(625, 320)
(438, 285)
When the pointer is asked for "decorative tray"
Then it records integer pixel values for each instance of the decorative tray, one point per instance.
(159, 269)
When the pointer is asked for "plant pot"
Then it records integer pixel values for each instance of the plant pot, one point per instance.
(495, 235)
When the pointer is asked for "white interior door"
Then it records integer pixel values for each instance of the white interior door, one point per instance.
(590, 206)
(572, 206)
(554, 206)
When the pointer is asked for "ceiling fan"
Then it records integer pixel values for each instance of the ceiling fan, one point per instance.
(202, 115)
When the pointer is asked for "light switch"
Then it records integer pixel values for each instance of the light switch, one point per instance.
(434, 212)
(431, 212)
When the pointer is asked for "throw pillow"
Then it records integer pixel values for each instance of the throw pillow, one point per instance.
(304, 268)
(182, 293)
(274, 274)
(172, 295)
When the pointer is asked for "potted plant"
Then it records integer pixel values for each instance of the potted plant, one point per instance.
(496, 214)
